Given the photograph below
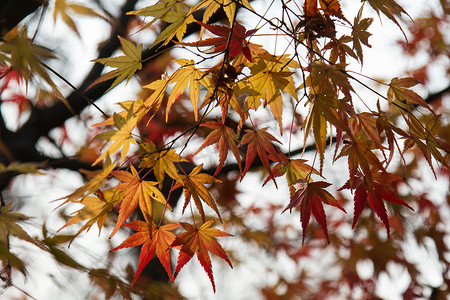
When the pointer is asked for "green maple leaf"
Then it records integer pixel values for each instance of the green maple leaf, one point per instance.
(125, 65)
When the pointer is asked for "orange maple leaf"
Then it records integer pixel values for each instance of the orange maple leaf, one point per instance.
(136, 191)
(310, 196)
(225, 138)
(199, 241)
(329, 7)
(259, 142)
(361, 157)
(154, 239)
(193, 186)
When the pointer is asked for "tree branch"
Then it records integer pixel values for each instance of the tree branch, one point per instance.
(14, 11)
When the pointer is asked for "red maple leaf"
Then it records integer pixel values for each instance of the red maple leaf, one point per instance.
(154, 239)
(310, 196)
(199, 241)
(238, 41)
(374, 196)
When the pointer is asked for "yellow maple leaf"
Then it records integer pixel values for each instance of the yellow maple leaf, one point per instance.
(178, 20)
(66, 9)
(267, 81)
(158, 10)
(95, 209)
(98, 180)
(162, 161)
(228, 6)
(120, 138)
(185, 75)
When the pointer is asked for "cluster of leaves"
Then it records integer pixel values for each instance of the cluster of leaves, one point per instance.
(220, 97)
(248, 78)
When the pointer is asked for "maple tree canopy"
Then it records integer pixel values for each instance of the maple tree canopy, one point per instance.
(280, 95)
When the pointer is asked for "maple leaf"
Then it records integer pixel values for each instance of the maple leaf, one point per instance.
(136, 191)
(185, 75)
(369, 125)
(193, 186)
(200, 241)
(159, 91)
(21, 168)
(94, 184)
(158, 10)
(373, 194)
(120, 137)
(51, 244)
(238, 42)
(259, 142)
(324, 107)
(333, 8)
(360, 33)
(126, 65)
(359, 152)
(162, 162)
(295, 169)
(228, 6)
(178, 20)
(66, 9)
(225, 138)
(154, 240)
(391, 9)
(9, 226)
(399, 93)
(28, 59)
(339, 49)
(310, 196)
(425, 136)
(268, 80)
(95, 209)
